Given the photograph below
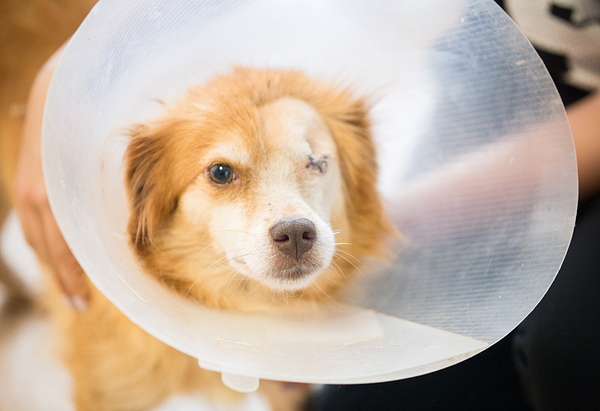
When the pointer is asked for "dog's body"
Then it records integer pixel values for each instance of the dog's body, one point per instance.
(255, 190)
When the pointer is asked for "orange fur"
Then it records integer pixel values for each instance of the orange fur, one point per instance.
(116, 365)
(164, 158)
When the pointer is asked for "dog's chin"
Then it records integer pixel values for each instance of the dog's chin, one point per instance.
(291, 279)
(282, 273)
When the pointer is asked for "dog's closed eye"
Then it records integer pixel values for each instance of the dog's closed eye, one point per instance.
(317, 162)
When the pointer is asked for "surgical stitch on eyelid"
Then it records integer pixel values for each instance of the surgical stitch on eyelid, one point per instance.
(318, 162)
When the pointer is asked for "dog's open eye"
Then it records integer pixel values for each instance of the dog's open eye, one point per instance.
(221, 174)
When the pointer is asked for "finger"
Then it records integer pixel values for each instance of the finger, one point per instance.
(33, 230)
(31, 197)
(30, 203)
(67, 267)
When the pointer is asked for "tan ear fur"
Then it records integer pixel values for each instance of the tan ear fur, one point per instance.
(152, 190)
(142, 155)
(351, 129)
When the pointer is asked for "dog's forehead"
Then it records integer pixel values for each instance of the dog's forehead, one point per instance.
(292, 124)
(286, 131)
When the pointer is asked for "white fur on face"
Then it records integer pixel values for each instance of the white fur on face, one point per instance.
(297, 177)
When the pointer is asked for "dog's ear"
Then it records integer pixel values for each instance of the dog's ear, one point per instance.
(350, 126)
(152, 197)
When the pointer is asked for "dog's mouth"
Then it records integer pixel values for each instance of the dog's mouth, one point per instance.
(285, 276)
(292, 278)
(295, 273)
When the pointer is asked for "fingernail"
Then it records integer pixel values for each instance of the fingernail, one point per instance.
(75, 303)
(79, 304)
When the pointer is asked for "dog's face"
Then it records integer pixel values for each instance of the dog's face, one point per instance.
(263, 198)
(259, 184)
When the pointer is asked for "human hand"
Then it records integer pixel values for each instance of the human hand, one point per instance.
(585, 126)
(37, 220)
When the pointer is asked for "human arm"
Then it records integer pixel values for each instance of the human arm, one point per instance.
(39, 225)
(584, 118)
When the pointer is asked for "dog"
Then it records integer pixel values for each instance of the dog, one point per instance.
(255, 190)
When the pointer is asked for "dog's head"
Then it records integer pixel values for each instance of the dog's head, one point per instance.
(259, 184)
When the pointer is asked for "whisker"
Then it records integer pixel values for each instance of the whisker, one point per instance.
(325, 293)
(254, 289)
(350, 262)
(272, 298)
(198, 277)
(207, 268)
(201, 251)
(339, 270)
(232, 275)
(327, 280)
(284, 298)
(348, 254)
(245, 280)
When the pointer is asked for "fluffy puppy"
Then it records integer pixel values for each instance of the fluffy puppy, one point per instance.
(256, 189)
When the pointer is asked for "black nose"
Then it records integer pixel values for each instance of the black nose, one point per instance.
(294, 236)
